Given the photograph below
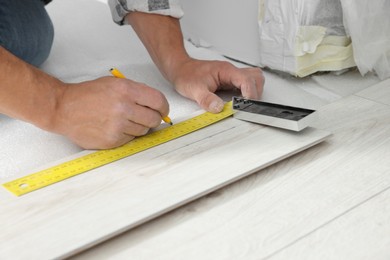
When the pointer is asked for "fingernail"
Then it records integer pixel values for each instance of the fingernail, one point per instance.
(216, 106)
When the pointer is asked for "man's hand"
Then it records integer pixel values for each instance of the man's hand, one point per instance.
(199, 80)
(107, 112)
(194, 79)
(98, 114)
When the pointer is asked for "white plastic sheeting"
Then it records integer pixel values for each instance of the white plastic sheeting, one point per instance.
(300, 37)
(303, 36)
(368, 24)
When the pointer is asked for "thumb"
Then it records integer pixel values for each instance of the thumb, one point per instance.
(210, 102)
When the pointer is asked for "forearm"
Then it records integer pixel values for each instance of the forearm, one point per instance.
(27, 93)
(163, 39)
(97, 114)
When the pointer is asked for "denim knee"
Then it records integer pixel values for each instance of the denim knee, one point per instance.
(26, 30)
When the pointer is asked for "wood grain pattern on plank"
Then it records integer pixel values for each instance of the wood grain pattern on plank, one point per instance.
(263, 214)
(106, 201)
(379, 92)
(363, 233)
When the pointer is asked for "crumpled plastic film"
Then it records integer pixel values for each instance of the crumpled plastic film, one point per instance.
(304, 36)
(368, 24)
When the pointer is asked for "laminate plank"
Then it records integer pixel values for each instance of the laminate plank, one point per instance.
(346, 84)
(379, 92)
(362, 233)
(266, 212)
(70, 216)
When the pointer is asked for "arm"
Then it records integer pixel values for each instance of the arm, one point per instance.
(195, 79)
(25, 92)
(102, 113)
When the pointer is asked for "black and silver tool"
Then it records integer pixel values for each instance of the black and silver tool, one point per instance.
(287, 117)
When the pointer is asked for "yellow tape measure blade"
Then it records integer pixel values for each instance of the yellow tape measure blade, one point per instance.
(96, 159)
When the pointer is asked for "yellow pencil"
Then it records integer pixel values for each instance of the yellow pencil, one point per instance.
(167, 120)
(116, 73)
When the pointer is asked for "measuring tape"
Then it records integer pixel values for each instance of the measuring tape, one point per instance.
(99, 158)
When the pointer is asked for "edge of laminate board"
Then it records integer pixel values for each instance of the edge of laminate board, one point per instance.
(93, 207)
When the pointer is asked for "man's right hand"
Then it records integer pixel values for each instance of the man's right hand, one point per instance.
(107, 112)
(98, 114)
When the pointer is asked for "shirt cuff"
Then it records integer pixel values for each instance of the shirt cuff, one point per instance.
(120, 8)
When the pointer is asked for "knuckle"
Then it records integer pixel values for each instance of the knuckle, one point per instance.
(109, 142)
(112, 140)
(113, 132)
(151, 120)
(121, 86)
(159, 98)
(204, 101)
(120, 110)
(155, 122)
(140, 131)
(226, 66)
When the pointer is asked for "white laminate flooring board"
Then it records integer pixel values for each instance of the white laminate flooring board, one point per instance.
(74, 214)
(379, 92)
(260, 216)
(96, 205)
(345, 84)
(363, 233)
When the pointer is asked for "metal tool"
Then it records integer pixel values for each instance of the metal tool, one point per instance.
(287, 117)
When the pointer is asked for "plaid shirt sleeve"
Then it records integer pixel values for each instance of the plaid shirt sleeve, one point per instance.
(120, 8)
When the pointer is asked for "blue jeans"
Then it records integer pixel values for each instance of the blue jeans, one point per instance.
(26, 30)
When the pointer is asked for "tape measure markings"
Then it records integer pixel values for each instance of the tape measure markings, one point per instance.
(99, 158)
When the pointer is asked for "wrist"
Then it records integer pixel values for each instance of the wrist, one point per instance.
(27, 93)
(173, 66)
(46, 107)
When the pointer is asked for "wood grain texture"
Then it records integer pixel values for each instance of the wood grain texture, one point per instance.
(362, 233)
(268, 212)
(347, 84)
(72, 215)
(256, 217)
(379, 92)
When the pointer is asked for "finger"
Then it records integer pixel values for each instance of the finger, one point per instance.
(144, 116)
(249, 80)
(133, 129)
(117, 135)
(208, 100)
(252, 88)
(149, 97)
(255, 84)
(104, 140)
